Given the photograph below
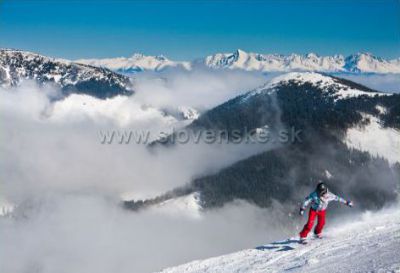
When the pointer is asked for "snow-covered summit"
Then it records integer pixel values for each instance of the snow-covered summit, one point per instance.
(368, 63)
(369, 244)
(330, 85)
(136, 63)
(17, 66)
(237, 59)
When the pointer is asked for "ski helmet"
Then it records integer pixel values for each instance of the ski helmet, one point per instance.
(321, 188)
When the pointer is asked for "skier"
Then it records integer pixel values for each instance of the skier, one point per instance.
(319, 200)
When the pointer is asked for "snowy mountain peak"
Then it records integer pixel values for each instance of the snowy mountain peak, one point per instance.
(241, 57)
(161, 58)
(330, 85)
(312, 55)
(17, 66)
(240, 53)
(136, 56)
(366, 62)
(136, 63)
(311, 77)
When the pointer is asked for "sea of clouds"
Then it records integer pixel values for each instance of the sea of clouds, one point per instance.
(66, 187)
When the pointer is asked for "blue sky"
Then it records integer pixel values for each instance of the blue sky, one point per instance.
(195, 28)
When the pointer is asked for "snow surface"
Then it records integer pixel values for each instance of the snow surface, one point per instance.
(369, 244)
(188, 205)
(356, 63)
(189, 113)
(375, 139)
(319, 80)
(19, 65)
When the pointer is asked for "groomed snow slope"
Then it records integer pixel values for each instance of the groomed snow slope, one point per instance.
(370, 244)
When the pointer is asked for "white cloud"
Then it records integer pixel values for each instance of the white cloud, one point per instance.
(90, 233)
(56, 146)
(381, 82)
(201, 89)
(66, 186)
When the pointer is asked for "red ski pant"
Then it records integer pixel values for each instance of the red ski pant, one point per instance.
(310, 223)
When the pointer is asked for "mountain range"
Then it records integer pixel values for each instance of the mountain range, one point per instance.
(70, 77)
(104, 78)
(241, 60)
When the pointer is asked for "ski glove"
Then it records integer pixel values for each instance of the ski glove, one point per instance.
(301, 212)
(349, 203)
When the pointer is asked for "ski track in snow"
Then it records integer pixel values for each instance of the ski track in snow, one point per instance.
(369, 245)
